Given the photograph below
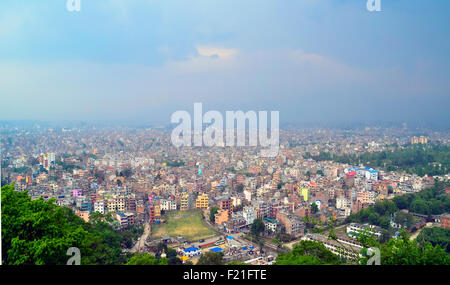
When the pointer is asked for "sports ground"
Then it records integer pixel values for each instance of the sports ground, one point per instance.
(188, 224)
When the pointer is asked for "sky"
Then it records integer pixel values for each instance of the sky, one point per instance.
(142, 60)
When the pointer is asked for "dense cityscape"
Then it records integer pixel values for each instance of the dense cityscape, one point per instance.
(198, 202)
(224, 140)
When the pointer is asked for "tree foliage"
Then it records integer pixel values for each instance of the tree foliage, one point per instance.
(146, 259)
(418, 159)
(430, 201)
(257, 227)
(211, 258)
(40, 232)
(436, 236)
(404, 251)
(212, 212)
(308, 253)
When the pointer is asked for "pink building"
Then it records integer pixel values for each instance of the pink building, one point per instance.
(77, 192)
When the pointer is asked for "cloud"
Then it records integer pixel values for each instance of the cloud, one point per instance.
(219, 52)
(300, 85)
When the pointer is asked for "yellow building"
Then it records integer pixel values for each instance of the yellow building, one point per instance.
(202, 201)
(111, 205)
(185, 201)
(423, 140)
(121, 204)
(157, 209)
(305, 193)
(419, 140)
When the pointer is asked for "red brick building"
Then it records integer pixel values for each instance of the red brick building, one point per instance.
(445, 221)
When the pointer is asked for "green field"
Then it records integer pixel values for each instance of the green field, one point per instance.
(188, 224)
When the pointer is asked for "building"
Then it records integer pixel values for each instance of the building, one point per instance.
(271, 224)
(349, 250)
(192, 251)
(249, 214)
(99, 206)
(111, 205)
(202, 201)
(445, 221)
(221, 217)
(419, 140)
(120, 204)
(131, 204)
(354, 229)
(227, 205)
(168, 205)
(86, 205)
(293, 225)
(83, 214)
(305, 193)
(185, 201)
(125, 219)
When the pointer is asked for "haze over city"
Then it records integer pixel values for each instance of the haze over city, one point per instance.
(140, 61)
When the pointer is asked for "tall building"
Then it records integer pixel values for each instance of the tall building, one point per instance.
(227, 205)
(249, 214)
(202, 201)
(419, 140)
(185, 201)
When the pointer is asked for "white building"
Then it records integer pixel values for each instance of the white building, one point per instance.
(192, 251)
(271, 224)
(168, 205)
(249, 214)
(248, 195)
(99, 206)
(354, 229)
(342, 203)
(372, 175)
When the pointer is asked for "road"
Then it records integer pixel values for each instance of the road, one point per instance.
(141, 242)
(414, 235)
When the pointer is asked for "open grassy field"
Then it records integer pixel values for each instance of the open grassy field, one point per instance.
(188, 224)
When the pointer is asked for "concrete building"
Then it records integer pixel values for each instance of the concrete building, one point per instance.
(221, 217)
(293, 224)
(99, 206)
(445, 221)
(202, 201)
(249, 214)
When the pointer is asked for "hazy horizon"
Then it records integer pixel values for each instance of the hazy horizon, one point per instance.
(324, 62)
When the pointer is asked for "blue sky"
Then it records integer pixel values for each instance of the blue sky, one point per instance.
(313, 60)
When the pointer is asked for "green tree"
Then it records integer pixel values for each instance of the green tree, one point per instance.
(404, 251)
(436, 236)
(212, 212)
(240, 188)
(308, 253)
(257, 227)
(314, 208)
(146, 259)
(40, 232)
(211, 258)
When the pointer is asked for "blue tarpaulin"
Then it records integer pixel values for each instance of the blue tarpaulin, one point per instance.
(216, 249)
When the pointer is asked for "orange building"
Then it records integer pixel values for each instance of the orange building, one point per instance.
(445, 221)
(221, 217)
(83, 214)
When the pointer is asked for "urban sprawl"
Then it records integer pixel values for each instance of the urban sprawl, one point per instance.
(138, 177)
